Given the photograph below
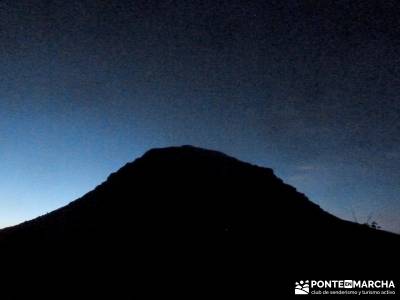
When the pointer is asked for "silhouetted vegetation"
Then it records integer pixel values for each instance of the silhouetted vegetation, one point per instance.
(373, 225)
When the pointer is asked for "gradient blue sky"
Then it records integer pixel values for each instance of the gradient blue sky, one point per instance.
(308, 89)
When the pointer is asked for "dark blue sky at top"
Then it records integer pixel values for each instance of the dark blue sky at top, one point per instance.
(309, 88)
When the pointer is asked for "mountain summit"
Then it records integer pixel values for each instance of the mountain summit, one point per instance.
(201, 218)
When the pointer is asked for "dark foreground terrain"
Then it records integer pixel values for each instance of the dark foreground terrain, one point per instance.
(186, 222)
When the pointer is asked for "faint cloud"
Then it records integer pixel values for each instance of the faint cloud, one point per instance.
(299, 178)
(392, 155)
(304, 174)
(309, 167)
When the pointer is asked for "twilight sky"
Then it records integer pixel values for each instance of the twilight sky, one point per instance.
(308, 88)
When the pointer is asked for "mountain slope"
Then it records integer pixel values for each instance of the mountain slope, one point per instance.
(197, 212)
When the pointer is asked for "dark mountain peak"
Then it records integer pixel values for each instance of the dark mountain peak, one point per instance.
(195, 155)
(192, 181)
(191, 154)
(187, 152)
(187, 204)
(189, 159)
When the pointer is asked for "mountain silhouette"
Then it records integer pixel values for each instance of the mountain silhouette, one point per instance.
(190, 220)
